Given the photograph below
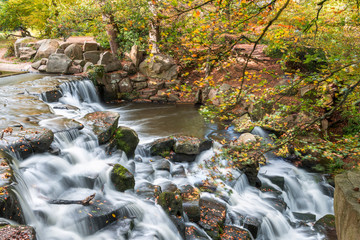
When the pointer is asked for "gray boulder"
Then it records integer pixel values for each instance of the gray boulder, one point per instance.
(92, 56)
(103, 124)
(136, 55)
(160, 67)
(58, 63)
(24, 42)
(125, 85)
(74, 52)
(110, 62)
(90, 46)
(27, 53)
(47, 48)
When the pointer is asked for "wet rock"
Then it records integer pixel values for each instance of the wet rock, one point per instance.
(159, 67)
(122, 178)
(212, 215)
(162, 147)
(47, 48)
(103, 124)
(233, 232)
(189, 193)
(173, 98)
(92, 56)
(278, 203)
(205, 186)
(162, 174)
(125, 139)
(326, 226)
(252, 224)
(58, 63)
(25, 141)
(277, 180)
(17, 232)
(187, 148)
(147, 190)
(179, 223)
(193, 232)
(51, 95)
(162, 164)
(171, 203)
(90, 46)
(158, 98)
(130, 68)
(306, 217)
(62, 124)
(168, 186)
(100, 214)
(125, 86)
(178, 171)
(192, 210)
(74, 52)
(110, 62)
(9, 203)
(144, 170)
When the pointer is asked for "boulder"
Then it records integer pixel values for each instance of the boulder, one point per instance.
(162, 147)
(88, 66)
(42, 68)
(79, 62)
(160, 67)
(346, 205)
(245, 138)
(171, 203)
(47, 48)
(189, 193)
(305, 217)
(74, 69)
(125, 139)
(90, 46)
(111, 62)
(17, 232)
(253, 225)
(178, 171)
(139, 78)
(147, 190)
(140, 85)
(58, 63)
(62, 124)
(326, 226)
(24, 42)
(212, 215)
(64, 45)
(193, 232)
(122, 178)
(192, 210)
(92, 56)
(36, 65)
(103, 124)
(136, 55)
(156, 84)
(25, 141)
(74, 52)
(234, 232)
(243, 124)
(187, 148)
(162, 164)
(125, 86)
(130, 68)
(26, 53)
(51, 95)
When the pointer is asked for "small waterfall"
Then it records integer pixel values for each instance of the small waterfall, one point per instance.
(82, 168)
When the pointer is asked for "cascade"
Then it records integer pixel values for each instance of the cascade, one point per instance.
(83, 168)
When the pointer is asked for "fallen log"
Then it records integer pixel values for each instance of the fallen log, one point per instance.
(85, 202)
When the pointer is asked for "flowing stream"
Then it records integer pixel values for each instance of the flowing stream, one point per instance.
(83, 168)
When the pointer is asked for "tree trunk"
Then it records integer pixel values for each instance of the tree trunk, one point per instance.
(111, 30)
(154, 33)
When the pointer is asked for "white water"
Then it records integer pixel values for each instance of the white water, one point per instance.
(83, 168)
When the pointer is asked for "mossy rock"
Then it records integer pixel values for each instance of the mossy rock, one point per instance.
(162, 147)
(125, 139)
(171, 203)
(96, 73)
(122, 178)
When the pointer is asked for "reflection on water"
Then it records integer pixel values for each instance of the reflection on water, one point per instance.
(162, 120)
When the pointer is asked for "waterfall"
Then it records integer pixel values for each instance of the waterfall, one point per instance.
(82, 168)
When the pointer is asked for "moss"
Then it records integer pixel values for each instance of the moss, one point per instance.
(122, 178)
(126, 140)
(96, 73)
